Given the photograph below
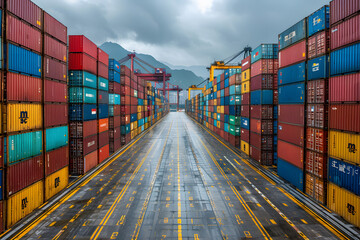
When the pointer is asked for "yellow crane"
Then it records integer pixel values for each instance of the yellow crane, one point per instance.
(191, 88)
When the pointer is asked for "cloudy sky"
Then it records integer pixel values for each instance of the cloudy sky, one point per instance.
(181, 32)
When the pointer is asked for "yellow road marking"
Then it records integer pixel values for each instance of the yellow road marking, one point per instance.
(303, 220)
(272, 221)
(285, 204)
(71, 206)
(179, 186)
(52, 224)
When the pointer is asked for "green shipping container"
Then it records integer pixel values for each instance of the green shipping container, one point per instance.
(234, 130)
(82, 95)
(103, 84)
(56, 137)
(82, 79)
(236, 121)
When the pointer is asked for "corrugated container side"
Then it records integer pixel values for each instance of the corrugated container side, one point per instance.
(292, 74)
(317, 115)
(264, 81)
(318, 68)
(56, 137)
(90, 161)
(316, 140)
(345, 117)
(55, 28)
(246, 63)
(23, 174)
(26, 10)
(55, 114)
(55, 49)
(341, 9)
(103, 70)
(316, 164)
(319, 20)
(345, 60)
(82, 112)
(291, 153)
(82, 95)
(103, 57)
(344, 203)
(54, 69)
(318, 44)
(24, 202)
(103, 153)
(82, 79)
(345, 33)
(317, 91)
(293, 34)
(292, 94)
(291, 133)
(81, 61)
(291, 173)
(344, 146)
(344, 88)
(56, 182)
(23, 88)
(79, 43)
(1, 155)
(293, 54)
(55, 91)
(245, 147)
(103, 125)
(23, 116)
(56, 160)
(2, 217)
(315, 188)
(23, 61)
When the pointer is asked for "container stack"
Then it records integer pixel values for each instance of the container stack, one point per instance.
(103, 105)
(114, 107)
(317, 105)
(150, 103)
(245, 105)
(264, 67)
(133, 105)
(83, 109)
(56, 125)
(125, 109)
(232, 88)
(291, 108)
(141, 103)
(344, 111)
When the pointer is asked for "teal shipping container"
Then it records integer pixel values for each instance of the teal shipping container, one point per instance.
(293, 34)
(103, 84)
(56, 137)
(82, 95)
(82, 79)
(264, 51)
(114, 99)
(22, 146)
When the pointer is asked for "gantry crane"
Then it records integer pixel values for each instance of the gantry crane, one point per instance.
(193, 88)
(173, 88)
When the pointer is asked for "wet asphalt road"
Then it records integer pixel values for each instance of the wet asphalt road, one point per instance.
(178, 182)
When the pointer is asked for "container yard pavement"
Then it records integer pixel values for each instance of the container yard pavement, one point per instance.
(178, 181)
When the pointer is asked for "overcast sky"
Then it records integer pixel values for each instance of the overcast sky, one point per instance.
(181, 32)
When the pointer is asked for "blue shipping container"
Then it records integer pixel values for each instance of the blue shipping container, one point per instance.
(22, 146)
(103, 84)
(319, 20)
(318, 68)
(82, 95)
(293, 93)
(264, 51)
(103, 97)
(261, 97)
(56, 137)
(114, 65)
(245, 123)
(293, 34)
(114, 76)
(103, 110)
(235, 100)
(82, 112)
(291, 173)
(114, 99)
(24, 61)
(345, 60)
(292, 74)
(82, 79)
(133, 117)
(344, 175)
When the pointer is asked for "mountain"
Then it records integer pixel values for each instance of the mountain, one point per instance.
(198, 70)
(183, 78)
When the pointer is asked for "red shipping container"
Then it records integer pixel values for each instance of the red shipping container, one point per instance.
(125, 100)
(261, 142)
(293, 54)
(345, 117)
(55, 28)
(134, 101)
(345, 33)
(81, 165)
(54, 69)
(115, 146)
(83, 146)
(23, 34)
(316, 140)
(245, 99)
(23, 88)
(81, 61)
(246, 63)
(103, 70)
(264, 66)
(26, 10)
(2, 215)
(261, 126)
(340, 9)
(82, 129)
(294, 114)
(103, 138)
(318, 44)
(291, 153)
(316, 164)
(55, 49)
(317, 91)
(114, 121)
(23, 174)
(114, 87)
(115, 133)
(292, 134)
(125, 80)
(222, 86)
(261, 111)
(55, 115)
(263, 81)
(234, 140)
(232, 80)
(317, 115)
(245, 135)
(125, 119)
(226, 110)
(133, 109)
(56, 160)
(116, 110)
(262, 157)
(344, 88)
(55, 91)
(125, 71)
(81, 44)
(245, 111)
(102, 57)
(103, 153)
(226, 92)
(125, 110)
(103, 125)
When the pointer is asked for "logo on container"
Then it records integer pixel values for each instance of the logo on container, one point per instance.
(352, 148)
(290, 36)
(351, 209)
(24, 203)
(23, 117)
(315, 67)
(91, 143)
(316, 20)
(93, 111)
(57, 182)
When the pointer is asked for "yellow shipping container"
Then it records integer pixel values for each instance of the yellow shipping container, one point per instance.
(218, 109)
(24, 202)
(215, 88)
(245, 87)
(245, 75)
(23, 116)
(345, 203)
(215, 102)
(215, 116)
(135, 124)
(56, 182)
(139, 115)
(132, 134)
(139, 109)
(244, 147)
(222, 109)
(131, 126)
(344, 146)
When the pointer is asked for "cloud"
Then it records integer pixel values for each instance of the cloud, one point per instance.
(186, 32)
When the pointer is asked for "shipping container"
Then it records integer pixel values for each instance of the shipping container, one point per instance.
(317, 115)
(82, 95)
(54, 69)
(82, 61)
(56, 160)
(315, 188)
(103, 153)
(292, 94)
(318, 68)
(293, 54)
(261, 97)
(345, 117)
(103, 97)
(345, 203)
(55, 49)
(319, 20)
(245, 147)
(103, 110)
(317, 91)
(261, 141)
(291, 133)
(245, 88)
(293, 34)
(23, 88)
(23, 61)
(341, 9)
(82, 79)
(80, 147)
(81, 165)
(56, 137)
(2, 216)
(261, 111)
(102, 70)
(345, 60)
(316, 164)
(2, 154)
(263, 81)
(261, 126)
(24, 202)
(23, 174)
(292, 74)
(55, 115)
(103, 57)
(291, 153)
(55, 91)
(316, 140)
(82, 112)
(83, 129)
(81, 44)
(291, 173)
(264, 51)
(22, 146)
(26, 10)
(55, 28)
(344, 146)
(318, 44)
(23, 116)
(344, 88)
(345, 33)
(103, 84)
(262, 157)
(56, 182)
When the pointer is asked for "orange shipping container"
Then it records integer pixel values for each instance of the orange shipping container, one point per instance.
(315, 188)
(103, 125)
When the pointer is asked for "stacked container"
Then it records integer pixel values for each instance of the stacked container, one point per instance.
(344, 111)
(83, 104)
(103, 105)
(141, 105)
(125, 109)
(316, 105)
(291, 108)
(264, 66)
(245, 105)
(114, 106)
(230, 109)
